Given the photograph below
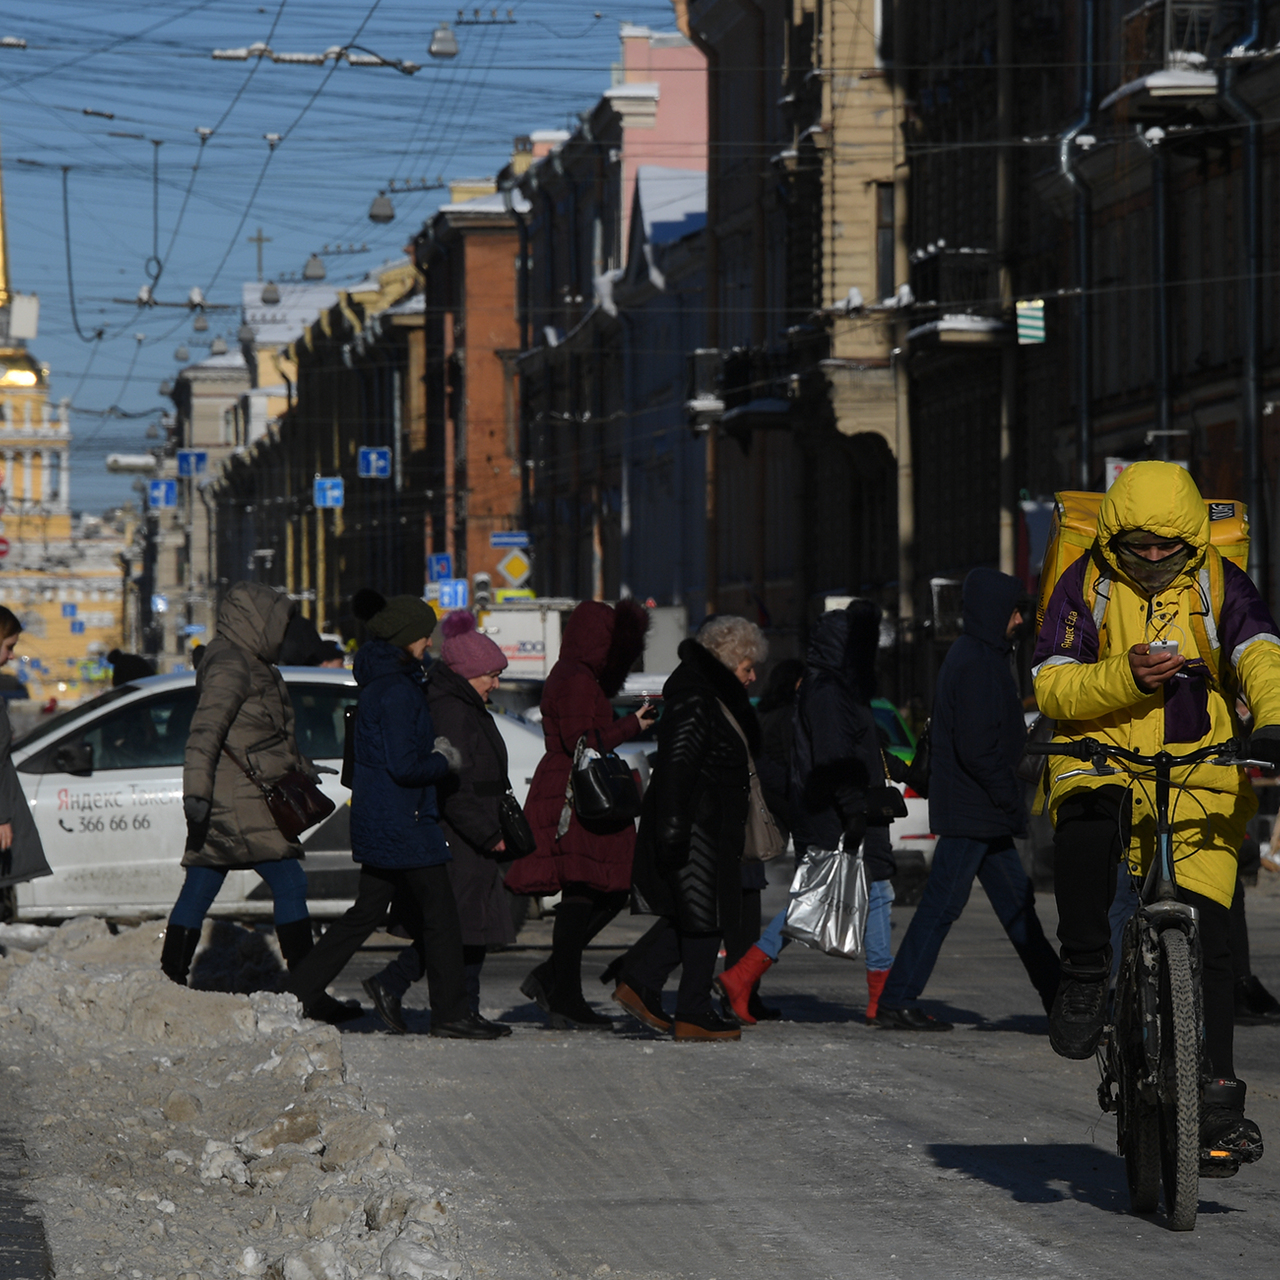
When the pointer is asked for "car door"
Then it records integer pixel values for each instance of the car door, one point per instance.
(108, 805)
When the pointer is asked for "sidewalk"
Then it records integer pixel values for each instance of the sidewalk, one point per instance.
(24, 1254)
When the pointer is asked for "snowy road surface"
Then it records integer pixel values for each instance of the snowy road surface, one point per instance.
(813, 1148)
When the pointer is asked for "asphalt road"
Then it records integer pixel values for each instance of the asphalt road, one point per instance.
(24, 1254)
(816, 1147)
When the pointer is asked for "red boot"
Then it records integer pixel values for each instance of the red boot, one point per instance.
(737, 983)
(875, 986)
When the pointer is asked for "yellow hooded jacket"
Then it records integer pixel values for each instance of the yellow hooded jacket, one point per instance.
(1084, 681)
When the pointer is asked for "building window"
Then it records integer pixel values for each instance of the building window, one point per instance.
(885, 284)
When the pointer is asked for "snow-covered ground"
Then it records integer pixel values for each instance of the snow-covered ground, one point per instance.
(179, 1134)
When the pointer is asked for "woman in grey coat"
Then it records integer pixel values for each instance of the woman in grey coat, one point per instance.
(243, 720)
(21, 853)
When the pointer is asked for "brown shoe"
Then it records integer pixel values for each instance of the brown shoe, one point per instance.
(707, 1026)
(643, 1004)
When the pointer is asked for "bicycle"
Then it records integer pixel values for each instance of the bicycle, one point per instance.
(1152, 1056)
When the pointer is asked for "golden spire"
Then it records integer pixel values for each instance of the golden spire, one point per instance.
(4, 248)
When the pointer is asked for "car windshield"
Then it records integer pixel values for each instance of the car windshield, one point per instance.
(55, 723)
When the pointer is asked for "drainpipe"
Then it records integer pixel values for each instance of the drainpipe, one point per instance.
(1160, 298)
(1249, 391)
(1083, 247)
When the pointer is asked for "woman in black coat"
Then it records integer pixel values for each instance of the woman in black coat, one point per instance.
(688, 857)
(458, 688)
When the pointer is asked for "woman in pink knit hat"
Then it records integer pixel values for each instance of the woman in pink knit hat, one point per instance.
(458, 687)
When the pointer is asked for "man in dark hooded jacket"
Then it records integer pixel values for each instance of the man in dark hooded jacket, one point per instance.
(976, 805)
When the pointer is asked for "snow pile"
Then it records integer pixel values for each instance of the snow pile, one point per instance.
(186, 1135)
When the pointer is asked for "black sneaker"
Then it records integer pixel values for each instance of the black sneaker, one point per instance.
(1077, 1017)
(1255, 1005)
(334, 1012)
(468, 1027)
(1227, 1138)
(385, 1005)
(910, 1019)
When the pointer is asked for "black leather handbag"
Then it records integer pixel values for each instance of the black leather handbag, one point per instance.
(603, 786)
(517, 834)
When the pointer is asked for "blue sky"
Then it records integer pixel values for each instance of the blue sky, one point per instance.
(346, 133)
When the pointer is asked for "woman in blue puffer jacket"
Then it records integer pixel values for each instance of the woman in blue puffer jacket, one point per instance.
(395, 832)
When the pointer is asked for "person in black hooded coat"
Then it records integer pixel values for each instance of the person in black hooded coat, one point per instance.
(687, 867)
(836, 758)
(976, 804)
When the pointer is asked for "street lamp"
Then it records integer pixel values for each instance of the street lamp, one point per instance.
(270, 293)
(314, 270)
(381, 210)
(218, 347)
(444, 44)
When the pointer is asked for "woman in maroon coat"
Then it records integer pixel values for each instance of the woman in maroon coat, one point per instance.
(589, 866)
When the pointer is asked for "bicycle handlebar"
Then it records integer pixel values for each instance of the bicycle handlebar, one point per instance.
(1227, 753)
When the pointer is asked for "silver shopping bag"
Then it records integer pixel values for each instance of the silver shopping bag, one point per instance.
(828, 906)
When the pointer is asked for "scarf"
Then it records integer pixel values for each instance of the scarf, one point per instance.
(1150, 576)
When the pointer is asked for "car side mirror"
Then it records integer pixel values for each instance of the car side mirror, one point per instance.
(74, 757)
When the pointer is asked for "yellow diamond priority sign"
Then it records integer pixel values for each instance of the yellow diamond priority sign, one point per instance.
(515, 567)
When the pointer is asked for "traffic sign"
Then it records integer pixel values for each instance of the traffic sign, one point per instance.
(68, 611)
(328, 491)
(439, 566)
(374, 464)
(77, 627)
(162, 493)
(454, 593)
(509, 538)
(515, 567)
(193, 629)
(192, 462)
(4, 547)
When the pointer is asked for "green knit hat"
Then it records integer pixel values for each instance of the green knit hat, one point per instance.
(402, 620)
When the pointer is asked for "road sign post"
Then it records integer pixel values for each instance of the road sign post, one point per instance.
(439, 566)
(509, 538)
(454, 593)
(162, 493)
(192, 462)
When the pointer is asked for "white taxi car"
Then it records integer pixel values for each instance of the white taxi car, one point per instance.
(104, 781)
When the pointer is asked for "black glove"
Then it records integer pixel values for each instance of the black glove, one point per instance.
(197, 812)
(1264, 744)
(854, 830)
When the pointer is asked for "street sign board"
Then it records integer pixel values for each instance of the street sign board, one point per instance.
(162, 493)
(439, 566)
(192, 462)
(454, 593)
(328, 491)
(193, 629)
(4, 547)
(515, 567)
(374, 464)
(77, 627)
(509, 538)
(68, 611)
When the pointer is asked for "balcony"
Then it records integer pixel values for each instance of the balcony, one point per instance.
(1167, 50)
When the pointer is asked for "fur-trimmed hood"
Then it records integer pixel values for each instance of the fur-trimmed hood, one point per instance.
(700, 667)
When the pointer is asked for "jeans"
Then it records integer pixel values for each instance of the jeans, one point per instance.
(286, 879)
(875, 942)
(957, 860)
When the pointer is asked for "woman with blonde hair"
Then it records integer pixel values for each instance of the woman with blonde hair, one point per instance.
(689, 851)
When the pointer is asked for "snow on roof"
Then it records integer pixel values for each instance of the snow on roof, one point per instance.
(488, 204)
(283, 321)
(645, 89)
(673, 202)
(549, 135)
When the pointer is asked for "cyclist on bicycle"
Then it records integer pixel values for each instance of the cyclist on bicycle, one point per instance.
(1153, 576)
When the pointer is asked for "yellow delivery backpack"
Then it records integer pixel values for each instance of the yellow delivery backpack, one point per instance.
(1075, 528)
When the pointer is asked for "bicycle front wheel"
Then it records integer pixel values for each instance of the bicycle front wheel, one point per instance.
(1179, 1081)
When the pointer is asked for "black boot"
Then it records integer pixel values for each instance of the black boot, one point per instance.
(538, 985)
(295, 942)
(180, 945)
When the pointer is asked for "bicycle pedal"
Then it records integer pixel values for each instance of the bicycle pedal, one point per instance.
(1217, 1162)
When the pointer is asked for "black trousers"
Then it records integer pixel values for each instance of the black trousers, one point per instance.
(1087, 851)
(437, 937)
(667, 947)
(747, 934)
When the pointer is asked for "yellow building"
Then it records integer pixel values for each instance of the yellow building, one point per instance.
(60, 574)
